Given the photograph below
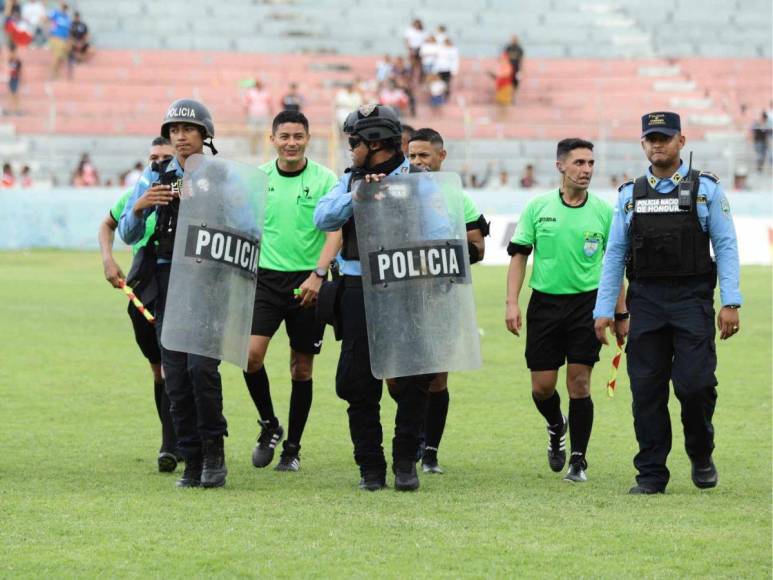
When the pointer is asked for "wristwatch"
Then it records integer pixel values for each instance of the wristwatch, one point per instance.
(622, 315)
(321, 272)
(733, 306)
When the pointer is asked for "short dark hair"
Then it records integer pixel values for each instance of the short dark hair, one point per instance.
(160, 141)
(565, 146)
(408, 129)
(427, 134)
(290, 117)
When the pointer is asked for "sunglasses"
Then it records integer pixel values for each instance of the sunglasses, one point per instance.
(354, 142)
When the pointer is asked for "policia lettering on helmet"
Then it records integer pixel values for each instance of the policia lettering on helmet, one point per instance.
(294, 255)
(160, 151)
(567, 229)
(375, 146)
(426, 150)
(663, 224)
(193, 382)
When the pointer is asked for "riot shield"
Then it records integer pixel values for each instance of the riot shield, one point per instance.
(419, 302)
(212, 283)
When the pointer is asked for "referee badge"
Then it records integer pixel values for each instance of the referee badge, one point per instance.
(592, 243)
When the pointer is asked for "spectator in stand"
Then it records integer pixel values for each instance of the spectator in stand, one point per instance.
(474, 181)
(8, 178)
(740, 179)
(441, 35)
(761, 131)
(514, 52)
(33, 13)
(414, 37)
(14, 78)
(447, 64)
(503, 82)
(405, 86)
(428, 53)
(292, 101)
(384, 69)
(408, 132)
(59, 38)
(347, 99)
(85, 174)
(259, 111)
(503, 182)
(527, 179)
(80, 50)
(133, 175)
(25, 177)
(437, 91)
(395, 97)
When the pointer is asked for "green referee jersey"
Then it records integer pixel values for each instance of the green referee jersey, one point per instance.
(471, 212)
(291, 242)
(150, 223)
(569, 242)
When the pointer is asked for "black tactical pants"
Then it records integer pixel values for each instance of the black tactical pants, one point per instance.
(193, 385)
(357, 386)
(671, 338)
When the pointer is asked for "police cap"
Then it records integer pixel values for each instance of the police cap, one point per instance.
(663, 122)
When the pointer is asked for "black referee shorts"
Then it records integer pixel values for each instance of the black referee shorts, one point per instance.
(559, 327)
(145, 334)
(275, 302)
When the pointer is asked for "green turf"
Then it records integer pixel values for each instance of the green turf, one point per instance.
(79, 494)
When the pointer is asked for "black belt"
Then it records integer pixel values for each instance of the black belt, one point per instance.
(352, 281)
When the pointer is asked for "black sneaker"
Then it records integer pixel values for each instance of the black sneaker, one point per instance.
(557, 447)
(704, 474)
(406, 478)
(269, 438)
(372, 481)
(167, 462)
(290, 459)
(429, 463)
(576, 471)
(644, 489)
(192, 474)
(214, 470)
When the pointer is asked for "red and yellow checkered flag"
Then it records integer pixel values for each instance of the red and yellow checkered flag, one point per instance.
(612, 383)
(136, 301)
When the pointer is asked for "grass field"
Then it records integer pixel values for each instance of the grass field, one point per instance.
(80, 495)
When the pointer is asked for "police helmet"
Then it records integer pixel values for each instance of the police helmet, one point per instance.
(377, 123)
(351, 119)
(191, 112)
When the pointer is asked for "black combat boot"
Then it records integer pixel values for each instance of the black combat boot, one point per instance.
(214, 470)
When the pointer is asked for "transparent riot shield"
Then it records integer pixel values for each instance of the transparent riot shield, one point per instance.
(215, 261)
(416, 278)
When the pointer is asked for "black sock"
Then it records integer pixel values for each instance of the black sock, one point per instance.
(257, 385)
(435, 419)
(580, 425)
(300, 404)
(550, 409)
(168, 438)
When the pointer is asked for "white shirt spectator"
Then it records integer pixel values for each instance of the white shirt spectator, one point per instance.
(34, 13)
(414, 37)
(447, 59)
(428, 54)
(346, 100)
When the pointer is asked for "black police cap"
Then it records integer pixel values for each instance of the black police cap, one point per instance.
(663, 122)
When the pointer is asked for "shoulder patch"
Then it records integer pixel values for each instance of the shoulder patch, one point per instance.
(628, 206)
(626, 184)
(710, 175)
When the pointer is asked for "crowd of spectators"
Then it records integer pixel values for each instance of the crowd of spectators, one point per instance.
(9, 178)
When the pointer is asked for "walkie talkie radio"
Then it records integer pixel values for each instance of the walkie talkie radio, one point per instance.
(685, 189)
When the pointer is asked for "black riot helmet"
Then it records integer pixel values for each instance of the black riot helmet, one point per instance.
(378, 123)
(351, 119)
(193, 113)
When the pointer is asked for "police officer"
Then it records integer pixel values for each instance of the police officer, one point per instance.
(662, 228)
(567, 229)
(144, 333)
(193, 382)
(426, 150)
(375, 145)
(294, 261)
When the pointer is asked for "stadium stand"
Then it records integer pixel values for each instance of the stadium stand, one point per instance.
(579, 77)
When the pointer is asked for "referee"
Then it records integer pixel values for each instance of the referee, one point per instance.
(426, 150)
(294, 262)
(161, 151)
(567, 229)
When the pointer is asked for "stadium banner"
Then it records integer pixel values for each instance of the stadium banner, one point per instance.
(68, 218)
